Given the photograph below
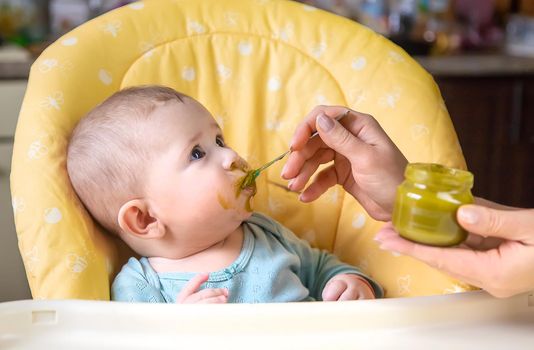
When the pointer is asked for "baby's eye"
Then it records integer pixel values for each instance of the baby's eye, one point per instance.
(197, 153)
(220, 141)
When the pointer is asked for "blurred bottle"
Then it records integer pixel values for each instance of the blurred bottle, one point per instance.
(480, 30)
(373, 14)
(437, 27)
(66, 15)
(520, 34)
(404, 26)
(23, 22)
(402, 17)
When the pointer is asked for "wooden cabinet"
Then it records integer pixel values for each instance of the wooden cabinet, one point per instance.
(494, 119)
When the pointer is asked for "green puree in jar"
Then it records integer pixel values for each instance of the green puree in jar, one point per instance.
(427, 201)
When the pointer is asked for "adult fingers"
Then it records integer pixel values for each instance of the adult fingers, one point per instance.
(478, 242)
(509, 224)
(302, 146)
(464, 264)
(308, 127)
(325, 179)
(309, 168)
(296, 159)
(337, 137)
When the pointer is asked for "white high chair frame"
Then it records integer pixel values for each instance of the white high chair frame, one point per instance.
(460, 321)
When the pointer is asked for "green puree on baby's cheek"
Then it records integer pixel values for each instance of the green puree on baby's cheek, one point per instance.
(427, 201)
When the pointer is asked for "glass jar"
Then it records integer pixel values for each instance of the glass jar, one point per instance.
(427, 201)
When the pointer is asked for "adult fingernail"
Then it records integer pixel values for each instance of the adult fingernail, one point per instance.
(325, 123)
(468, 215)
(383, 246)
(290, 184)
(387, 247)
(284, 169)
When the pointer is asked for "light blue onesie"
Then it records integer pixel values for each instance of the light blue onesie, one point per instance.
(274, 265)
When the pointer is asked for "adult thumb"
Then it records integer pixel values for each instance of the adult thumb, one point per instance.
(335, 136)
(517, 225)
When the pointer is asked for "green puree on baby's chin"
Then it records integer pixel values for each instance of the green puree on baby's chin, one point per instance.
(427, 201)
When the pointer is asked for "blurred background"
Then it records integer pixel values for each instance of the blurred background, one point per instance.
(480, 52)
(445, 27)
(35, 23)
(422, 27)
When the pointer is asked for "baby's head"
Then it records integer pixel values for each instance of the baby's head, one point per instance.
(151, 165)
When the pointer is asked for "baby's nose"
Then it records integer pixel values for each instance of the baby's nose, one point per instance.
(232, 160)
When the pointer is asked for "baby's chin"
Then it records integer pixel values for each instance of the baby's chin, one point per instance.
(247, 214)
(236, 215)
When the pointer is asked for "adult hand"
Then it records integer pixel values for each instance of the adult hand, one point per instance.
(366, 162)
(347, 287)
(190, 294)
(497, 256)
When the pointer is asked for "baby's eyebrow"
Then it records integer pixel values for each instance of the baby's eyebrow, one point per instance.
(199, 134)
(194, 139)
(215, 126)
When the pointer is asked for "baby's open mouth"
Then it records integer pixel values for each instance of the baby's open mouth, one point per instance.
(250, 189)
(244, 185)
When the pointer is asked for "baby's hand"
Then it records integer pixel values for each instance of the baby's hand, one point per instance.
(347, 287)
(189, 294)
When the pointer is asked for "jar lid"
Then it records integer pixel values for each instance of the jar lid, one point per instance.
(437, 174)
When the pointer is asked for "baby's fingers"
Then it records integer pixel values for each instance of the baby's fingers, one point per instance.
(208, 296)
(333, 290)
(191, 287)
(221, 299)
(351, 294)
(365, 292)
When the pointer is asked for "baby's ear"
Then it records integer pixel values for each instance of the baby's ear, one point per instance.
(135, 220)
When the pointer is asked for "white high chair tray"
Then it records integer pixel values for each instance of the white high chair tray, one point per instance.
(468, 320)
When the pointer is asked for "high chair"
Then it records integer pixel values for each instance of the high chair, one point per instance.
(259, 66)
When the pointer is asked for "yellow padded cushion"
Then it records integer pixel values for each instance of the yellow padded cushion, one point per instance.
(259, 66)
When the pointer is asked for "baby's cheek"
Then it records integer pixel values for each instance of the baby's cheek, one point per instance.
(239, 204)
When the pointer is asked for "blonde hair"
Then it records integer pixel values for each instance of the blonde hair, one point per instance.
(108, 151)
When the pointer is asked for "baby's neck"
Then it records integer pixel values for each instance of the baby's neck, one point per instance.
(214, 258)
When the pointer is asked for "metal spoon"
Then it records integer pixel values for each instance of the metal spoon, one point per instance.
(251, 176)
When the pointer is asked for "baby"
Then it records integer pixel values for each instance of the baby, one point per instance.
(151, 166)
